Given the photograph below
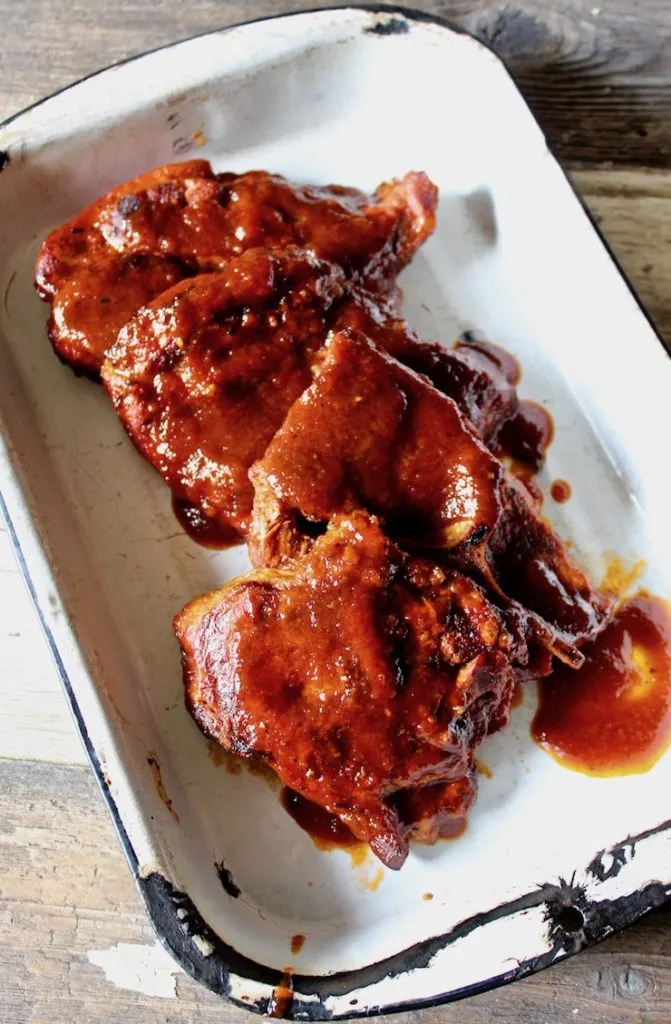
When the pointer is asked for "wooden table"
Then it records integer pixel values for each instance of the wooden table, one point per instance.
(74, 941)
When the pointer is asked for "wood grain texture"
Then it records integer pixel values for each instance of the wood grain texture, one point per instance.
(597, 73)
(65, 890)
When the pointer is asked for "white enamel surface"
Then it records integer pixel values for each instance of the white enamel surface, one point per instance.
(318, 99)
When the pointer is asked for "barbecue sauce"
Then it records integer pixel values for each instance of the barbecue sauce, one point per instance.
(527, 436)
(205, 531)
(326, 831)
(560, 491)
(504, 360)
(613, 715)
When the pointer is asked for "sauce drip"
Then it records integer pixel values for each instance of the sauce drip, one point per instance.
(283, 995)
(613, 715)
(297, 943)
(206, 532)
(560, 491)
(528, 435)
(326, 831)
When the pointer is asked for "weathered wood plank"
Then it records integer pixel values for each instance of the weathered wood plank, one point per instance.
(65, 891)
(633, 211)
(596, 72)
(34, 719)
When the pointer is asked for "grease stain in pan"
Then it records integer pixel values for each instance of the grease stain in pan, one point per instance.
(618, 579)
(297, 943)
(371, 878)
(152, 761)
(220, 757)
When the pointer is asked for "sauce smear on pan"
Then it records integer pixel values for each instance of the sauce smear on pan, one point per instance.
(560, 491)
(613, 715)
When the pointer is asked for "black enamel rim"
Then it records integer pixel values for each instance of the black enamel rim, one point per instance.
(574, 922)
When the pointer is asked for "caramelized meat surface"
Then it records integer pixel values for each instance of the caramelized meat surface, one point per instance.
(93, 305)
(370, 434)
(81, 243)
(478, 376)
(439, 811)
(204, 376)
(184, 219)
(526, 563)
(246, 331)
(355, 673)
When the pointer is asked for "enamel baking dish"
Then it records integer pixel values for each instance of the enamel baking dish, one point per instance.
(552, 860)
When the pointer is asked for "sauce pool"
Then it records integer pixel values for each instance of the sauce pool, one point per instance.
(527, 436)
(560, 490)
(613, 715)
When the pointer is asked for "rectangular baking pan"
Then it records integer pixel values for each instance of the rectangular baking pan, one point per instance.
(547, 865)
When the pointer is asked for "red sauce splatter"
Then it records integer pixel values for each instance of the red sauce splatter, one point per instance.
(560, 491)
(297, 943)
(528, 435)
(206, 532)
(613, 715)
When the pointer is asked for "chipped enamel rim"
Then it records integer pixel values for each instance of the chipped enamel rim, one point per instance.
(574, 913)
